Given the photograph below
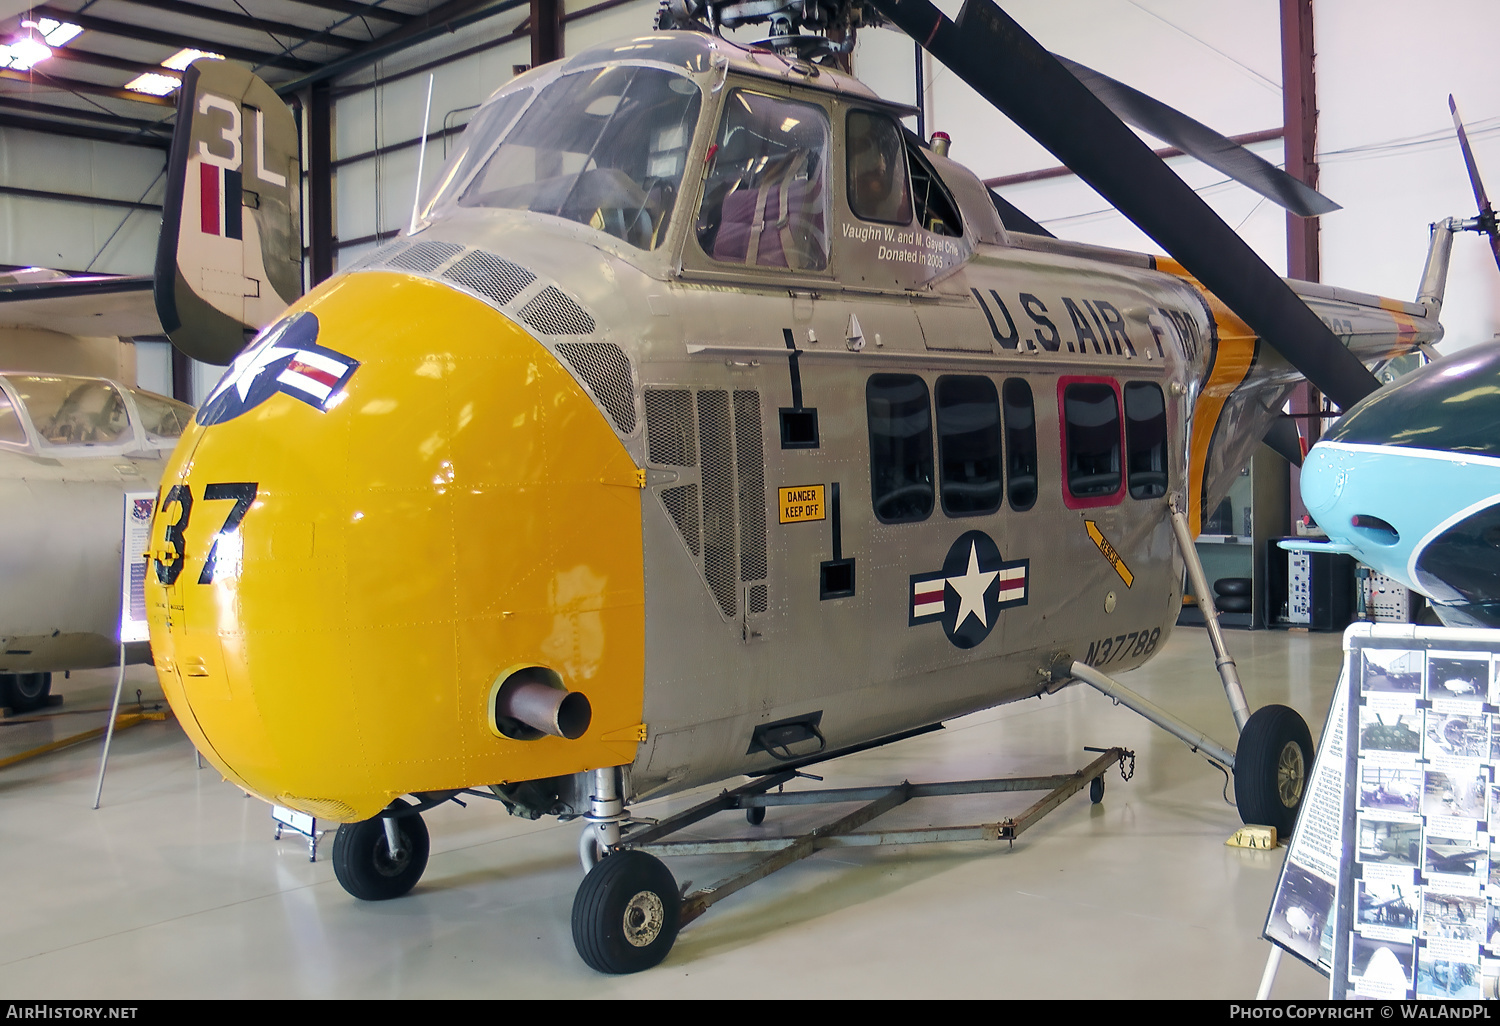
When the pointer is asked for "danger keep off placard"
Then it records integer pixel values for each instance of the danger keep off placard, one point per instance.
(801, 502)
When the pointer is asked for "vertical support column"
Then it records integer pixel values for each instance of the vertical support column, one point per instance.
(1303, 258)
(182, 377)
(1300, 113)
(320, 184)
(546, 31)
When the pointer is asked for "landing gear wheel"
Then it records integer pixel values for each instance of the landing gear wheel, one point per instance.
(25, 692)
(625, 915)
(1096, 790)
(1271, 768)
(362, 858)
(755, 815)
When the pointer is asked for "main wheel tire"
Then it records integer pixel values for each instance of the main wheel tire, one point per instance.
(626, 913)
(362, 858)
(1271, 768)
(25, 692)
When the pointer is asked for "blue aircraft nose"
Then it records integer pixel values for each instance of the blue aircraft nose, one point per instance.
(1409, 481)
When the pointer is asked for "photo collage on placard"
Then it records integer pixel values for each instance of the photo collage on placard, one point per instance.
(1426, 751)
(1304, 907)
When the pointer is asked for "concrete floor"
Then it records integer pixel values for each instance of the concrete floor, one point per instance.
(175, 888)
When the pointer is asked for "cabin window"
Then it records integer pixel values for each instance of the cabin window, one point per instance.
(876, 169)
(900, 447)
(10, 422)
(968, 426)
(1145, 440)
(603, 148)
(1091, 440)
(1020, 444)
(764, 202)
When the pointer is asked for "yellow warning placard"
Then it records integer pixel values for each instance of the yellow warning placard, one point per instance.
(1109, 552)
(801, 502)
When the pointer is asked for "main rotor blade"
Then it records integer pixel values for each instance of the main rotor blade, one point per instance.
(1282, 437)
(999, 60)
(1014, 218)
(1486, 212)
(1196, 139)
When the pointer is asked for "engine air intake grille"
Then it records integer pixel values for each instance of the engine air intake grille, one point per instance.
(489, 275)
(669, 428)
(424, 257)
(718, 498)
(682, 506)
(750, 459)
(606, 370)
(552, 313)
(380, 255)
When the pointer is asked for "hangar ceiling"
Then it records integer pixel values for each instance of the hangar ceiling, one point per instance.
(91, 85)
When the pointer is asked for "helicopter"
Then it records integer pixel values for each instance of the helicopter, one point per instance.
(707, 422)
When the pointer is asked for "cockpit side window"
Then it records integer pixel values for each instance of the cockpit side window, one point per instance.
(478, 139)
(603, 148)
(765, 202)
(936, 211)
(162, 419)
(11, 429)
(876, 169)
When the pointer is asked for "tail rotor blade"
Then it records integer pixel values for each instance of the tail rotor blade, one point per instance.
(1486, 212)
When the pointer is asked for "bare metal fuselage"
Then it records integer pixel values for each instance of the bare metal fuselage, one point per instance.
(692, 364)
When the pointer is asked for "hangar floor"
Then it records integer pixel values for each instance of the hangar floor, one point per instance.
(175, 887)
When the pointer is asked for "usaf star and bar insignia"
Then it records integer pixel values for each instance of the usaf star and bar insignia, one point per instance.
(968, 593)
(286, 359)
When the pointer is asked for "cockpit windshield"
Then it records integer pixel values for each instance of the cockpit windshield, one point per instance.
(604, 148)
(74, 411)
(69, 411)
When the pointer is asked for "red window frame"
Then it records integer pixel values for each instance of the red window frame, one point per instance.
(1069, 499)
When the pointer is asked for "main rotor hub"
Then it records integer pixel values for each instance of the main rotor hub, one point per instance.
(808, 29)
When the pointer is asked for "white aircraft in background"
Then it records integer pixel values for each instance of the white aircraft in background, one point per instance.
(71, 445)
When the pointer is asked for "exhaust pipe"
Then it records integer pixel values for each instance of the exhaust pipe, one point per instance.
(532, 701)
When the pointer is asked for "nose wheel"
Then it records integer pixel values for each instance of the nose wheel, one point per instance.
(380, 858)
(626, 913)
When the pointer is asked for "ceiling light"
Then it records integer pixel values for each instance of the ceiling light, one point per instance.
(56, 33)
(182, 58)
(25, 52)
(161, 85)
(154, 84)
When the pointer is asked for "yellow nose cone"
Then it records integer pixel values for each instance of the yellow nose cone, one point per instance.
(394, 498)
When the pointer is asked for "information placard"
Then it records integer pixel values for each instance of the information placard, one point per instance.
(135, 536)
(1410, 877)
